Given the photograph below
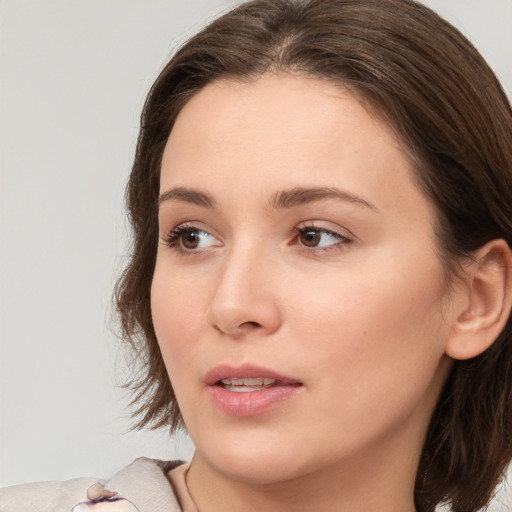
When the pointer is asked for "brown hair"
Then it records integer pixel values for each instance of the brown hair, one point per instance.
(448, 108)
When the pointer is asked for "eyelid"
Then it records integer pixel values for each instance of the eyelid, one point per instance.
(326, 227)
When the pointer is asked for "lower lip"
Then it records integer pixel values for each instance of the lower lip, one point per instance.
(251, 403)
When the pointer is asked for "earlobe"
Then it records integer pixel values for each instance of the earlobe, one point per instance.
(485, 303)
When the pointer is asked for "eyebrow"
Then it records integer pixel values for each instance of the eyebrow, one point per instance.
(285, 199)
(187, 195)
(299, 196)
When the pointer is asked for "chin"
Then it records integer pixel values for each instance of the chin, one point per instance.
(254, 459)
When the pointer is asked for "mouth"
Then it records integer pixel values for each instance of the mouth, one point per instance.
(249, 390)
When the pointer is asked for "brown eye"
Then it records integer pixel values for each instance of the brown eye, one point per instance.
(310, 237)
(320, 238)
(190, 238)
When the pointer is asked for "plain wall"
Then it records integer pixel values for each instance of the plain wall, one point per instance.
(73, 77)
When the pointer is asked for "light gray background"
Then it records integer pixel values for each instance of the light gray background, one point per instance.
(73, 77)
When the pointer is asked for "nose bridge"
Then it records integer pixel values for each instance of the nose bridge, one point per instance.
(243, 299)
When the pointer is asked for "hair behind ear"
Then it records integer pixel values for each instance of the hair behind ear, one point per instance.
(468, 447)
(469, 428)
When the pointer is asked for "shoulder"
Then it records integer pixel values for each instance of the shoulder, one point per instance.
(140, 487)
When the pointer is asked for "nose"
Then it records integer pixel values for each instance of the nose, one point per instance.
(245, 300)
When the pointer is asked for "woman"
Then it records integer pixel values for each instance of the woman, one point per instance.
(320, 285)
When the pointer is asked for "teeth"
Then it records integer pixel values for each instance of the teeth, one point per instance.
(247, 384)
(235, 382)
(253, 382)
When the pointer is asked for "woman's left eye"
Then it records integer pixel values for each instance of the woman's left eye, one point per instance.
(313, 237)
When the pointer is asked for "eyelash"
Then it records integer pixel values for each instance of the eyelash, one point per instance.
(341, 243)
(174, 235)
(174, 239)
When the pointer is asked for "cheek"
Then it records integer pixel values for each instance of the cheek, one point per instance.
(370, 301)
(373, 331)
(178, 312)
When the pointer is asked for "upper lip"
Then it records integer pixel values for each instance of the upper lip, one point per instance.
(248, 371)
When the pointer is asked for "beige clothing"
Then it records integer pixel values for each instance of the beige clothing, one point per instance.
(143, 486)
(177, 476)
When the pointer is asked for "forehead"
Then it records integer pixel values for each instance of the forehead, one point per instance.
(294, 106)
(286, 131)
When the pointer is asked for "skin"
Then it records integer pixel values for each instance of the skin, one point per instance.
(362, 319)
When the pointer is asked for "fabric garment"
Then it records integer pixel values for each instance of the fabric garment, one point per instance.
(177, 476)
(146, 485)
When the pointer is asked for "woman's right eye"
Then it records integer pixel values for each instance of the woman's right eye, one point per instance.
(189, 238)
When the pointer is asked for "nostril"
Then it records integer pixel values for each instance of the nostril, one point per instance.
(251, 324)
(239, 329)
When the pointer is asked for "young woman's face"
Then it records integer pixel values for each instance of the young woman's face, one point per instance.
(298, 297)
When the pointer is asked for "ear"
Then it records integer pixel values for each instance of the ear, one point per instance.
(483, 304)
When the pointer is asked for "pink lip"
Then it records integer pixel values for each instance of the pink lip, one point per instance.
(249, 403)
